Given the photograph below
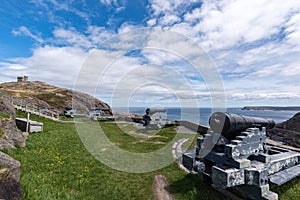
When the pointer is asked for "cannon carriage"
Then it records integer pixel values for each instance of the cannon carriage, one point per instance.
(234, 154)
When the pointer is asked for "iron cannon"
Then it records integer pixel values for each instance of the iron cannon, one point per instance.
(234, 154)
(231, 124)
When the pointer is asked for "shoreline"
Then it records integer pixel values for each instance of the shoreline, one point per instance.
(272, 108)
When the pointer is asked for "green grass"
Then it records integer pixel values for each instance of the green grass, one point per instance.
(56, 165)
(4, 115)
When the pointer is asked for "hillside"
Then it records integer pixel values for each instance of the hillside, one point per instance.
(287, 132)
(40, 94)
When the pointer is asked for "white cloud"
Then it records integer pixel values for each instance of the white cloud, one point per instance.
(169, 20)
(51, 6)
(91, 38)
(98, 34)
(233, 22)
(127, 27)
(56, 65)
(169, 6)
(118, 4)
(255, 44)
(160, 6)
(71, 37)
(226, 23)
(109, 2)
(293, 30)
(26, 32)
(151, 22)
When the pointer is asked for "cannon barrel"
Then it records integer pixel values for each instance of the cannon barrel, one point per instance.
(152, 111)
(231, 124)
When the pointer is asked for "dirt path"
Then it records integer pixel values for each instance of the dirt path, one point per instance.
(161, 188)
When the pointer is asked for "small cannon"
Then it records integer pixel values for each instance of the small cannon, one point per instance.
(155, 118)
(234, 154)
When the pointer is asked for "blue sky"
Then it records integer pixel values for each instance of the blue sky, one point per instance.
(255, 46)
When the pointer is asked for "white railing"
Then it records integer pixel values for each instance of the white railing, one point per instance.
(25, 107)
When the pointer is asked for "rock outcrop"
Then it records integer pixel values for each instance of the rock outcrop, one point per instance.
(287, 132)
(10, 135)
(10, 189)
(40, 94)
(13, 165)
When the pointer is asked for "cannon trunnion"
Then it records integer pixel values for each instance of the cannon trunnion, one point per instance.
(234, 154)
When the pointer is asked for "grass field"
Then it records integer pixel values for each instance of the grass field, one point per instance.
(56, 165)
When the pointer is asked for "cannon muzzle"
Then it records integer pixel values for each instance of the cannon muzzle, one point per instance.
(229, 124)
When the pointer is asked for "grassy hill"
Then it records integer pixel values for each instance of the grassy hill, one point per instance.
(41, 94)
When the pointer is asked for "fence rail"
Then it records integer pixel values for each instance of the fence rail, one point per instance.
(24, 106)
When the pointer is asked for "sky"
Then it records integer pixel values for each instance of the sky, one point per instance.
(145, 52)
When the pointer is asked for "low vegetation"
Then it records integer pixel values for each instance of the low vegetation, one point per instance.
(56, 165)
(4, 115)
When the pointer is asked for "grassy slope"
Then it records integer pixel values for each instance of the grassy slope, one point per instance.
(55, 165)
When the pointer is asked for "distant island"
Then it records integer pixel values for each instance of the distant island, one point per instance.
(275, 108)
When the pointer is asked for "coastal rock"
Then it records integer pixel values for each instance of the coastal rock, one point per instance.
(292, 124)
(287, 132)
(10, 135)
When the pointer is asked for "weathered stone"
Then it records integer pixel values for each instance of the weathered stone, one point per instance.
(12, 164)
(6, 107)
(11, 189)
(10, 135)
(6, 144)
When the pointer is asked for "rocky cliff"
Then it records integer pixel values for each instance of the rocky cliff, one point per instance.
(39, 94)
(287, 132)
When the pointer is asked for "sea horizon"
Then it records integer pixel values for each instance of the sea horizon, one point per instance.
(201, 115)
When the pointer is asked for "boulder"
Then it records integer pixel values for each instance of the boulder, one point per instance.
(10, 135)
(6, 107)
(12, 164)
(10, 189)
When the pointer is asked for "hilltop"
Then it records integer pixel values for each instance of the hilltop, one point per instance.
(40, 94)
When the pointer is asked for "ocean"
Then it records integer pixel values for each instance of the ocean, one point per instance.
(201, 115)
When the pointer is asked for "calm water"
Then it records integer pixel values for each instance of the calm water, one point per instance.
(201, 115)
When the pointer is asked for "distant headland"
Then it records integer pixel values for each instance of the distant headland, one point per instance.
(275, 108)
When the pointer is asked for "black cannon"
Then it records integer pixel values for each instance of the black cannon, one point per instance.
(234, 154)
(231, 124)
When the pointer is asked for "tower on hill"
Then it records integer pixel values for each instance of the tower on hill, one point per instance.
(22, 79)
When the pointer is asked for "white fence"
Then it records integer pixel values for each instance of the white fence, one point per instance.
(24, 106)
